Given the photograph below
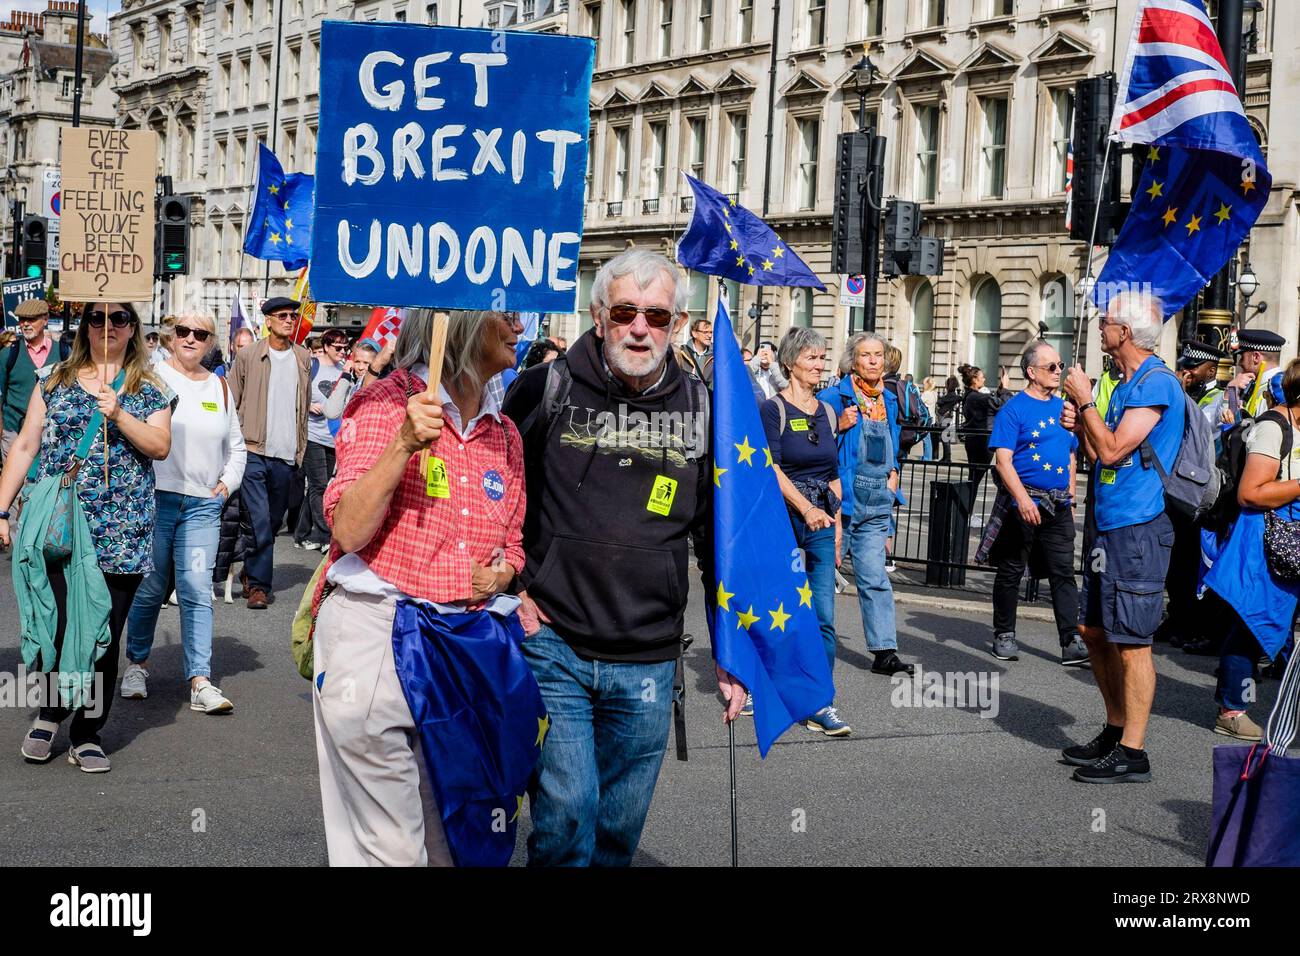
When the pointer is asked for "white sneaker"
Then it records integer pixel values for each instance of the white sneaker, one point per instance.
(208, 699)
(312, 546)
(173, 600)
(134, 682)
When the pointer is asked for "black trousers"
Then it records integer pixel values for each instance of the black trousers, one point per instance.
(979, 456)
(1187, 616)
(85, 728)
(1052, 544)
(318, 465)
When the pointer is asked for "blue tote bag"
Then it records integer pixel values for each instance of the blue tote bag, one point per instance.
(1256, 819)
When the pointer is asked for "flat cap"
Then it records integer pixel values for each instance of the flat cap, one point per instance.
(32, 309)
(277, 303)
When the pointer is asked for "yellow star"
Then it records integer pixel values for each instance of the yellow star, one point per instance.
(732, 201)
(724, 596)
(1060, 470)
(740, 260)
(1247, 185)
(727, 226)
(767, 265)
(1224, 213)
(745, 619)
(288, 224)
(1051, 421)
(288, 238)
(1171, 213)
(1154, 191)
(1047, 466)
(286, 205)
(746, 452)
(734, 245)
(1036, 456)
(273, 189)
(543, 727)
(1194, 224)
(779, 251)
(805, 595)
(768, 453)
(1035, 434)
(779, 617)
(519, 807)
(751, 270)
(275, 238)
(717, 475)
(1153, 154)
(726, 212)
(1032, 446)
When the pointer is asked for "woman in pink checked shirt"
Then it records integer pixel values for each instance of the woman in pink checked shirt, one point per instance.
(450, 536)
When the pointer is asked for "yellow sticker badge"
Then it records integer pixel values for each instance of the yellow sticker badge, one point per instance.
(436, 484)
(798, 424)
(1108, 476)
(210, 406)
(662, 495)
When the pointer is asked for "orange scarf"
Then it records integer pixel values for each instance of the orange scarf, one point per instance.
(870, 401)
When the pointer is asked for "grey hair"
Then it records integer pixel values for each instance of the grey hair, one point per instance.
(1030, 356)
(645, 266)
(1143, 313)
(460, 359)
(851, 348)
(792, 345)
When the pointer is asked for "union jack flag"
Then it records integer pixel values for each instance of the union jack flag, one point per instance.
(1204, 183)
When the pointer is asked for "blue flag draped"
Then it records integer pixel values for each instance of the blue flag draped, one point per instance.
(729, 241)
(280, 225)
(480, 718)
(765, 631)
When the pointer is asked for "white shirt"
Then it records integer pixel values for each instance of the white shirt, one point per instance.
(282, 407)
(207, 442)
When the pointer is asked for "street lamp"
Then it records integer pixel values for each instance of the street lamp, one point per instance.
(1247, 283)
(1250, 42)
(864, 75)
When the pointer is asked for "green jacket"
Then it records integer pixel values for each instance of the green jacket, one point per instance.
(86, 634)
(17, 386)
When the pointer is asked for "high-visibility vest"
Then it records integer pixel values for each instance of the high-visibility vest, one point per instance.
(1105, 385)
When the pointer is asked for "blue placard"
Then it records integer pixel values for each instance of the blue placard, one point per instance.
(19, 290)
(450, 167)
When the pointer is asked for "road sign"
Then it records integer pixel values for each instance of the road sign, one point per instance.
(52, 197)
(853, 291)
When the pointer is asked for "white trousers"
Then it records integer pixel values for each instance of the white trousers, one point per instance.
(376, 796)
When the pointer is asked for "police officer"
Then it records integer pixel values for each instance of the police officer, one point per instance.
(1258, 353)
(1198, 364)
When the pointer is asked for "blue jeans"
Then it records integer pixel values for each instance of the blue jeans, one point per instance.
(819, 562)
(867, 534)
(186, 535)
(1237, 667)
(592, 787)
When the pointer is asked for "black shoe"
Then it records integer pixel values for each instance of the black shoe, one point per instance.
(1116, 767)
(1083, 754)
(1202, 646)
(1177, 640)
(888, 662)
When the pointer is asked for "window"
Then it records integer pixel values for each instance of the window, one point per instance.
(927, 152)
(922, 329)
(194, 32)
(618, 188)
(697, 297)
(987, 341)
(658, 165)
(1062, 124)
(296, 9)
(309, 150)
(739, 150)
(934, 12)
(809, 132)
(223, 87)
(815, 23)
(493, 17)
(993, 148)
(164, 37)
(801, 304)
(1058, 313)
(228, 18)
(431, 12)
(185, 146)
(695, 158)
(592, 25)
(245, 16)
(732, 292)
(67, 86)
(591, 165)
(245, 81)
(629, 30)
(529, 8)
(217, 239)
(237, 160)
(704, 26)
(665, 27)
(1002, 8)
(873, 18)
(294, 73)
(219, 162)
(400, 15)
(137, 46)
(312, 75)
(745, 21)
(264, 88)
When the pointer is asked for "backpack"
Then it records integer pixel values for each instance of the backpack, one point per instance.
(830, 413)
(1231, 464)
(911, 414)
(1192, 486)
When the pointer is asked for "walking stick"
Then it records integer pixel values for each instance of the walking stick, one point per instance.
(437, 346)
(731, 748)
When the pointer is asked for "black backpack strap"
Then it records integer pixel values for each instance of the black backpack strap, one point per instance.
(555, 395)
(679, 697)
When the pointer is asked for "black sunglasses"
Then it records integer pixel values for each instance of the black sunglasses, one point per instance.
(120, 320)
(624, 314)
(200, 335)
(812, 436)
(1052, 366)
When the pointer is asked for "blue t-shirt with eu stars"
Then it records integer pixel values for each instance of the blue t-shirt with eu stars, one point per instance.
(1041, 450)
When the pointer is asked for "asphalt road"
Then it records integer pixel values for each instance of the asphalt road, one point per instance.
(912, 786)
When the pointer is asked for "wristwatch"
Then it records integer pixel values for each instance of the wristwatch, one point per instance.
(1084, 408)
(4, 515)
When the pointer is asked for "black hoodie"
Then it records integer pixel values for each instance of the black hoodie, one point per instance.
(612, 500)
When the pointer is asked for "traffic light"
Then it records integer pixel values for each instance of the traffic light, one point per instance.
(1096, 177)
(34, 247)
(852, 162)
(907, 253)
(172, 237)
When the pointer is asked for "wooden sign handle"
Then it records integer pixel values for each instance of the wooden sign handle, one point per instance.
(437, 349)
(104, 378)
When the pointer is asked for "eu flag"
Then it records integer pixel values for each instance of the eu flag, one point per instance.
(765, 631)
(280, 226)
(729, 241)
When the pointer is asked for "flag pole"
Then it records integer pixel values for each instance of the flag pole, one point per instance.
(104, 379)
(731, 750)
(1081, 322)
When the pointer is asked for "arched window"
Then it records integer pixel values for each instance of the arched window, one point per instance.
(987, 328)
(801, 301)
(1058, 313)
(922, 330)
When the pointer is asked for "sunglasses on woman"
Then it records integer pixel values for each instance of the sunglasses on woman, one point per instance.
(120, 320)
(624, 314)
(184, 331)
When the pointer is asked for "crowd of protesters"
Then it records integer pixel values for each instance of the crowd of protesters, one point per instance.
(187, 463)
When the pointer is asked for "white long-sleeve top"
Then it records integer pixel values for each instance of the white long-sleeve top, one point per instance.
(207, 442)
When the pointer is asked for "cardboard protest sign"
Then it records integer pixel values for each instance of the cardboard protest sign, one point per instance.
(107, 192)
(450, 167)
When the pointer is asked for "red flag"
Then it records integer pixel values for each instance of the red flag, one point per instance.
(384, 325)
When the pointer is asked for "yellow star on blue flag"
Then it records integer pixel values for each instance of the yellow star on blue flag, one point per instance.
(282, 199)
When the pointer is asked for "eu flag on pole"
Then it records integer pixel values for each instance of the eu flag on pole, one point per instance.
(280, 226)
(765, 631)
(1205, 182)
(727, 240)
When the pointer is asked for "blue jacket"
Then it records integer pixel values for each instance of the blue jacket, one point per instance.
(841, 396)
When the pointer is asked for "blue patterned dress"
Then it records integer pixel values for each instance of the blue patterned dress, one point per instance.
(121, 515)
